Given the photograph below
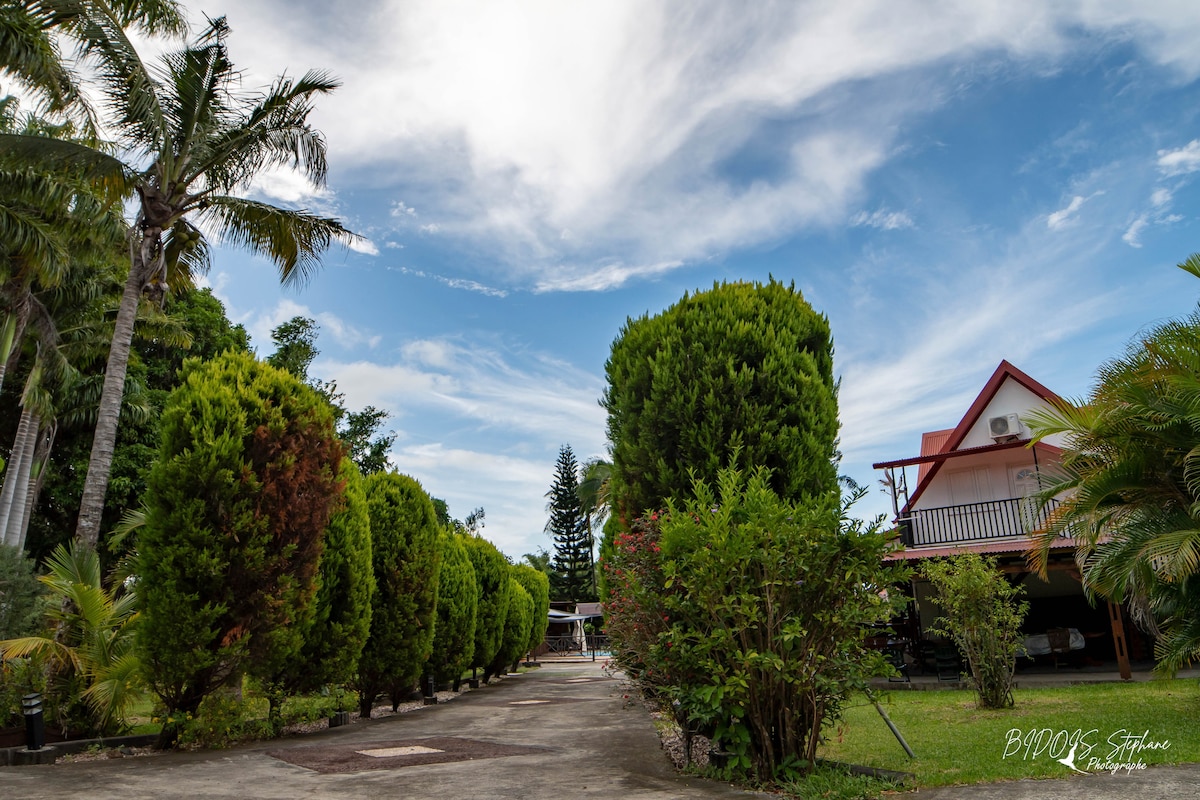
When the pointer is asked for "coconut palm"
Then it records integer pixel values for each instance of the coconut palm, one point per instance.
(58, 246)
(193, 143)
(1129, 484)
(31, 32)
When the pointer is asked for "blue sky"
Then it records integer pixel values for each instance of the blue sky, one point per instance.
(951, 183)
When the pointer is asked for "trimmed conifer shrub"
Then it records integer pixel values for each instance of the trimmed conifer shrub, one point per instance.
(744, 369)
(237, 502)
(491, 576)
(406, 557)
(538, 586)
(517, 623)
(458, 601)
(342, 615)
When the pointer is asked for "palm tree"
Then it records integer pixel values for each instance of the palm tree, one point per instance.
(1129, 484)
(194, 142)
(594, 502)
(29, 42)
(58, 246)
(89, 637)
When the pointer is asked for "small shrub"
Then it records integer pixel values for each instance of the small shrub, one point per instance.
(752, 616)
(982, 615)
(221, 721)
(20, 594)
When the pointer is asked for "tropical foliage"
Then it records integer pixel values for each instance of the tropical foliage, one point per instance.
(20, 594)
(92, 670)
(1129, 484)
(191, 140)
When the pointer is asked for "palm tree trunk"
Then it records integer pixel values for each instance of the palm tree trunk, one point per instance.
(16, 477)
(43, 443)
(95, 486)
(10, 339)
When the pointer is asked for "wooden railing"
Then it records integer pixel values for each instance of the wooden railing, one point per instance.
(974, 522)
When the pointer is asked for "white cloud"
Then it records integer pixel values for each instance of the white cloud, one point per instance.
(289, 186)
(882, 219)
(475, 394)
(400, 209)
(535, 118)
(1020, 302)
(1060, 218)
(1182, 161)
(261, 324)
(1161, 197)
(615, 121)
(454, 283)
(1133, 234)
(612, 276)
(363, 245)
(487, 384)
(511, 489)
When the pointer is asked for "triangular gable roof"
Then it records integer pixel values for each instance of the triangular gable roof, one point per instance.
(1003, 372)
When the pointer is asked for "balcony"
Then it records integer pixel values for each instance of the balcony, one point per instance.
(972, 523)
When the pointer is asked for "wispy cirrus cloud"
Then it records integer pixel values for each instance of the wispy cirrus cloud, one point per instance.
(618, 122)
(478, 393)
(883, 220)
(454, 283)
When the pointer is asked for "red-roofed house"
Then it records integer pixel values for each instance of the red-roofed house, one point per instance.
(974, 491)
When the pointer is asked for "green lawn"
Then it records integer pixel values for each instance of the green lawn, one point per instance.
(956, 742)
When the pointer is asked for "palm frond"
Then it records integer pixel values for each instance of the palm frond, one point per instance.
(28, 52)
(26, 646)
(108, 176)
(294, 240)
(98, 29)
(275, 132)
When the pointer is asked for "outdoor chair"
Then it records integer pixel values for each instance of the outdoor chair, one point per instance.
(949, 663)
(1059, 640)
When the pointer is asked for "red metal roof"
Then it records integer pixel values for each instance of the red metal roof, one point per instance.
(936, 458)
(931, 443)
(1003, 546)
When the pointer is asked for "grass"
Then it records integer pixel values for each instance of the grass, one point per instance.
(957, 743)
(830, 783)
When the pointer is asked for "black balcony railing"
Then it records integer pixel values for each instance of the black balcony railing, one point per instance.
(974, 522)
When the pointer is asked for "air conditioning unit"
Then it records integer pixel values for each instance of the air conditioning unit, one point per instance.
(1005, 427)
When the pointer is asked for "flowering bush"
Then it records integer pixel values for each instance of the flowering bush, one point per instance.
(635, 603)
(751, 612)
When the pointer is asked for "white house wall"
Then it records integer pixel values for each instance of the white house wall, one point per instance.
(990, 473)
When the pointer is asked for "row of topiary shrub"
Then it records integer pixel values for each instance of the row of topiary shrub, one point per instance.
(264, 554)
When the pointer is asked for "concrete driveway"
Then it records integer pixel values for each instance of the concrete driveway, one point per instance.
(564, 731)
